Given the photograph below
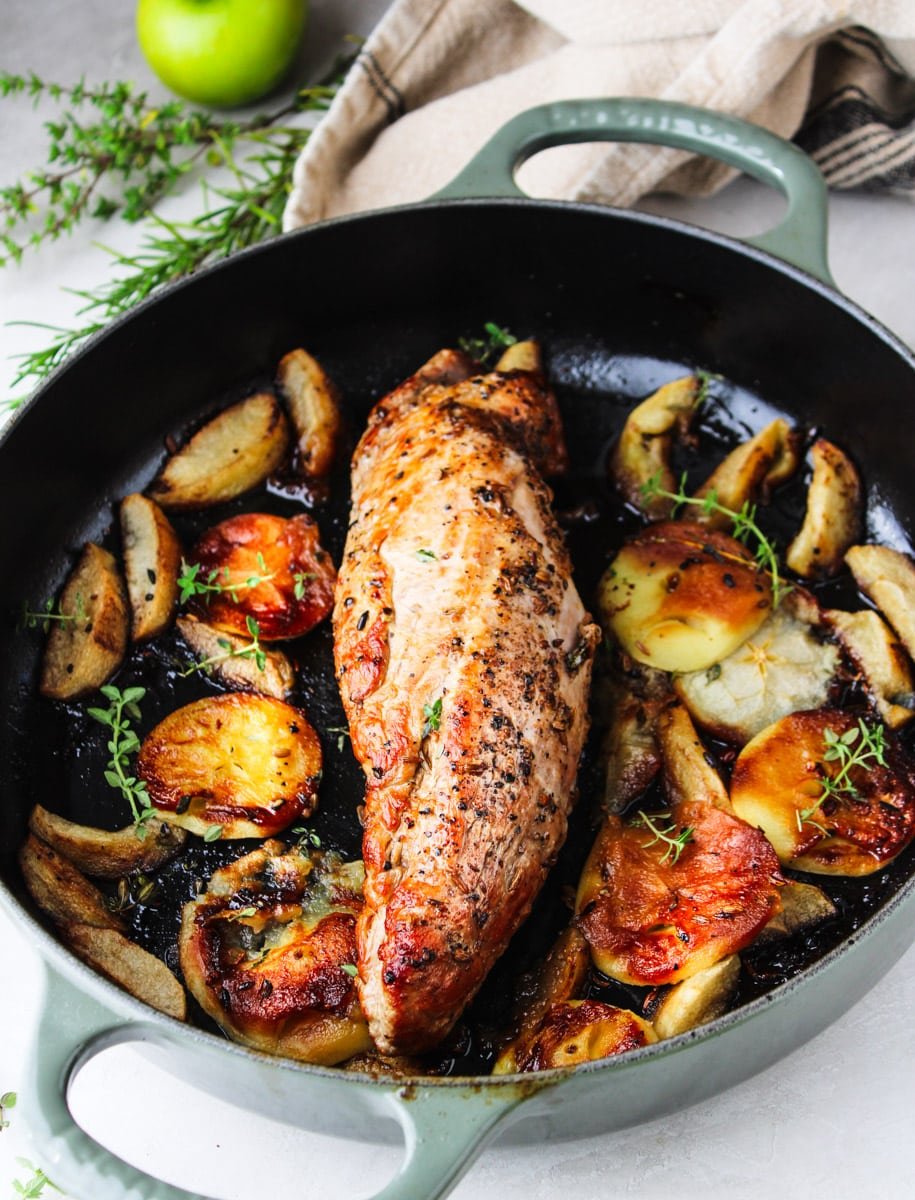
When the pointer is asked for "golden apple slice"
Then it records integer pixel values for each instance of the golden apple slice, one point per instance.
(129, 965)
(643, 450)
(103, 853)
(778, 785)
(269, 952)
(785, 666)
(574, 1032)
(750, 470)
(884, 665)
(315, 411)
(680, 597)
(888, 578)
(697, 1000)
(152, 557)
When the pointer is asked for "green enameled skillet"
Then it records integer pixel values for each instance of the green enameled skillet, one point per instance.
(621, 302)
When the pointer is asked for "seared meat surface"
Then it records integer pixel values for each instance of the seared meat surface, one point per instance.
(463, 654)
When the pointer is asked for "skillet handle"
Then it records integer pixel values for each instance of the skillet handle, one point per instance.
(72, 1029)
(800, 239)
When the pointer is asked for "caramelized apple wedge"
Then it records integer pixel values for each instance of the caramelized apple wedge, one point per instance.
(574, 1032)
(231, 454)
(315, 411)
(88, 646)
(246, 766)
(833, 518)
(130, 966)
(643, 450)
(271, 569)
(152, 554)
(853, 828)
(680, 597)
(888, 578)
(271, 676)
(750, 470)
(884, 665)
(106, 854)
(697, 1000)
(61, 891)
(786, 665)
(521, 356)
(268, 951)
(803, 906)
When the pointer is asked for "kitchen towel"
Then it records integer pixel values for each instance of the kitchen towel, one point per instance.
(438, 77)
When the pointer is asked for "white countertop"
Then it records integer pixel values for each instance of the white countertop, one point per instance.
(834, 1118)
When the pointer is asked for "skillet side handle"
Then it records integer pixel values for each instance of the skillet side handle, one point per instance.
(72, 1028)
(446, 1129)
(800, 239)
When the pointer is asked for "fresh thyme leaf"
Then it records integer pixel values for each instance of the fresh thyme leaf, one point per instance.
(32, 1188)
(342, 734)
(31, 619)
(305, 836)
(674, 840)
(110, 151)
(743, 522)
(432, 717)
(213, 833)
(351, 969)
(426, 555)
(190, 584)
(7, 1102)
(299, 579)
(486, 348)
(863, 747)
(124, 742)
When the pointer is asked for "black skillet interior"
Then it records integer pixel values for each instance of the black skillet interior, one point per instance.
(620, 303)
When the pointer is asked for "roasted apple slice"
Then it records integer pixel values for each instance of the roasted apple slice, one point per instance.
(786, 665)
(750, 470)
(833, 793)
(272, 569)
(231, 454)
(654, 915)
(888, 578)
(271, 675)
(129, 965)
(833, 518)
(629, 750)
(242, 765)
(152, 554)
(643, 450)
(268, 951)
(884, 665)
(803, 906)
(574, 1032)
(60, 890)
(88, 645)
(680, 597)
(106, 854)
(697, 1000)
(521, 356)
(315, 411)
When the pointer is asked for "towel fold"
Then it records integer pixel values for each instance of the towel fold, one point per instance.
(438, 77)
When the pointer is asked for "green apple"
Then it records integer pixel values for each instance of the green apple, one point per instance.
(220, 52)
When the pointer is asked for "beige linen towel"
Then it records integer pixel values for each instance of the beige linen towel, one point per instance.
(438, 77)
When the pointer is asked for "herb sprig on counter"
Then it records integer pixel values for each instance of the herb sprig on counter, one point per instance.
(111, 151)
(123, 743)
(7, 1102)
(673, 839)
(34, 1187)
(863, 747)
(743, 526)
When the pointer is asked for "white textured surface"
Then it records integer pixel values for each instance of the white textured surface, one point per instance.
(833, 1119)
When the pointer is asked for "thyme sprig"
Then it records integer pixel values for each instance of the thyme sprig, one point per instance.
(432, 717)
(861, 747)
(251, 649)
(218, 583)
(34, 1187)
(31, 619)
(144, 152)
(743, 526)
(484, 349)
(673, 839)
(123, 743)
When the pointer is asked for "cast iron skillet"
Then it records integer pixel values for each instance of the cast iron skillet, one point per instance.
(622, 302)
